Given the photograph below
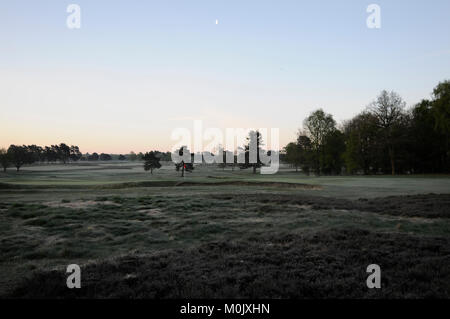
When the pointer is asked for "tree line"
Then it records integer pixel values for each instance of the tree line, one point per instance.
(254, 138)
(19, 155)
(386, 138)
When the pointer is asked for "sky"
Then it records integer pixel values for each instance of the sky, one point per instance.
(137, 70)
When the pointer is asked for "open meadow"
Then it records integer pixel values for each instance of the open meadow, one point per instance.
(221, 233)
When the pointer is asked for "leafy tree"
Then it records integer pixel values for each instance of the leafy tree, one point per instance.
(4, 159)
(105, 157)
(50, 154)
(254, 143)
(428, 145)
(318, 125)
(63, 152)
(293, 157)
(362, 143)
(151, 161)
(75, 154)
(37, 153)
(56, 151)
(441, 112)
(166, 156)
(19, 156)
(305, 151)
(93, 157)
(388, 109)
(334, 148)
(441, 107)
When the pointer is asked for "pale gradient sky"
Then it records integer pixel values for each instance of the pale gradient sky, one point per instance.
(138, 69)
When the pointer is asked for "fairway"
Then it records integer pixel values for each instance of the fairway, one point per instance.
(221, 233)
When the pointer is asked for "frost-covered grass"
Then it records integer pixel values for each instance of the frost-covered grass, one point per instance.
(52, 216)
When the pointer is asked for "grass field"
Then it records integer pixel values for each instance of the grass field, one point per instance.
(221, 233)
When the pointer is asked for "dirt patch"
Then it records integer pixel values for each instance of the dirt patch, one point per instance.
(79, 204)
(328, 264)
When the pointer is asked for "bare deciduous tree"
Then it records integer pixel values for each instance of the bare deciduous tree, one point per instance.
(388, 109)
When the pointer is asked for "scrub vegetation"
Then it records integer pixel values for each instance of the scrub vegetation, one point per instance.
(221, 233)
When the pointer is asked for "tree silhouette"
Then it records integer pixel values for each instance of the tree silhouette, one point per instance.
(4, 159)
(388, 110)
(362, 142)
(254, 143)
(105, 157)
(151, 161)
(64, 152)
(75, 153)
(19, 156)
(93, 157)
(293, 158)
(318, 125)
